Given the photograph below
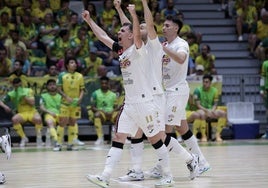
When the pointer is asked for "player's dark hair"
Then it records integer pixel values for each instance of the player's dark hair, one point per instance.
(175, 20)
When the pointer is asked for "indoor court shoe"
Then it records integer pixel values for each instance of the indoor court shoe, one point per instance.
(2, 178)
(99, 141)
(24, 141)
(78, 142)
(203, 168)
(193, 167)
(6, 145)
(132, 176)
(98, 180)
(57, 147)
(165, 182)
(154, 173)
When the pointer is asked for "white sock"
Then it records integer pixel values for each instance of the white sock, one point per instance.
(113, 157)
(192, 147)
(136, 152)
(176, 147)
(163, 159)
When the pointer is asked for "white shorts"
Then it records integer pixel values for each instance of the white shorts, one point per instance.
(160, 102)
(175, 108)
(138, 115)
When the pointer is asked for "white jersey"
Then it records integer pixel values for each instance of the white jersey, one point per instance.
(174, 74)
(156, 53)
(134, 70)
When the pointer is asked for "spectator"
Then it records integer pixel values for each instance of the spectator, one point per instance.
(207, 60)
(55, 5)
(246, 17)
(21, 55)
(114, 27)
(108, 57)
(264, 8)
(5, 26)
(106, 15)
(169, 10)
(158, 22)
(81, 44)
(28, 33)
(206, 99)
(56, 48)
(5, 63)
(259, 33)
(92, 63)
(12, 43)
(193, 45)
(25, 8)
(48, 29)
(18, 73)
(52, 72)
(24, 102)
(5, 8)
(64, 14)
(40, 12)
(102, 107)
(74, 25)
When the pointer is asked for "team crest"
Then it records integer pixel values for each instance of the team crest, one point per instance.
(124, 63)
(165, 60)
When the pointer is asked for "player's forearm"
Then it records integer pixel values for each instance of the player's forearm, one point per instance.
(149, 20)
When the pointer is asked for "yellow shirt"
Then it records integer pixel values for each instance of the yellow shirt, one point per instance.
(95, 64)
(71, 84)
(262, 30)
(250, 14)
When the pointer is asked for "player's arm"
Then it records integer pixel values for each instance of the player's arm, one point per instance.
(149, 20)
(178, 56)
(3, 105)
(136, 26)
(98, 31)
(122, 15)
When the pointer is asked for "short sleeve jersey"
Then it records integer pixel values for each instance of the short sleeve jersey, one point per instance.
(71, 83)
(174, 74)
(103, 100)
(264, 73)
(51, 102)
(17, 98)
(134, 71)
(207, 98)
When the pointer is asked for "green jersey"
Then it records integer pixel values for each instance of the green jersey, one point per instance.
(103, 101)
(207, 98)
(51, 102)
(264, 74)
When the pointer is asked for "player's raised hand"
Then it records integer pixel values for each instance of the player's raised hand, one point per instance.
(117, 4)
(85, 15)
(131, 9)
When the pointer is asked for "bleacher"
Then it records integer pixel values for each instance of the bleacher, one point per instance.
(241, 73)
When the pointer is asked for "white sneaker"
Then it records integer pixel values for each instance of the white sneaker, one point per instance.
(2, 178)
(193, 167)
(78, 142)
(24, 141)
(132, 176)
(99, 141)
(165, 182)
(155, 173)
(57, 147)
(6, 145)
(98, 180)
(203, 167)
(240, 38)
